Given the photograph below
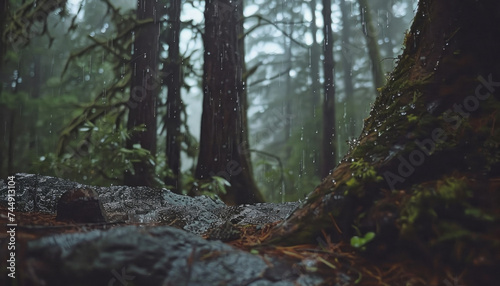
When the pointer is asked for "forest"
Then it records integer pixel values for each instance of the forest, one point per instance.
(69, 73)
(346, 142)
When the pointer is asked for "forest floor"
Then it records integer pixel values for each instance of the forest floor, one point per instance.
(330, 260)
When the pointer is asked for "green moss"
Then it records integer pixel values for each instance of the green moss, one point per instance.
(447, 217)
(425, 203)
(363, 173)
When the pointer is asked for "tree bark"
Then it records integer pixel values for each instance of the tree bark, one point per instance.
(35, 93)
(143, 92)
(3, 107)
(347, 64)
(174, 100)
(3, 14)
(428, 155)
(315, 58)
(370, 32)
(224, 134)
(289, 93)
(329, 145)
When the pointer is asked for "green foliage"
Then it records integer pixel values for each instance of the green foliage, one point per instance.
(97, 155)
(212, 188)
(360, 242)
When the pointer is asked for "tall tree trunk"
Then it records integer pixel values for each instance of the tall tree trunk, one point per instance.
(12, 136)
(143, 91)
(329, 141)
(3, 107)
(314, 58)
(289, 93)
(3, 16)
(174, 100)
(245, 142)
(36, 85)
(389, 31)
(370, 32)
(426, 173)
(347, 64)
(314, 101)
(224, 133)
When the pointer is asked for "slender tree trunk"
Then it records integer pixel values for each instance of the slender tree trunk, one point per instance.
(314, 101)
(36, 84)
(3, 15)
(391, 25)
(371, 32)
(315, 58)
(289, 94)
(144, 89)
(347, 64)
(428, 158)
(12, 135)
(245, 142)
(174, 100)
(329, 141)
(3, 108)
(224, 133)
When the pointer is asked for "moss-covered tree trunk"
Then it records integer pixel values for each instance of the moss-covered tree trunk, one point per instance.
(426, 173)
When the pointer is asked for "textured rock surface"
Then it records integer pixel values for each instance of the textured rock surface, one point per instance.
(165, 250)
(145, 205)
(153, 256)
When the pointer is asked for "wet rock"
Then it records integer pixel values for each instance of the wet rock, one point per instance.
(169, 253)
(225, 232)
(262, 213)
(153, 256)
(38, 193)
(81, 206)
(145, 205)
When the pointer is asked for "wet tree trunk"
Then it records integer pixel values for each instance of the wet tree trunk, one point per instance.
(289, 93)
(329, 145)
(3, 107)
(12, 139)
(223, 142)
(426, 172)
(3, 139)
(3, 14)
(174, 100)
(347, 64)
(36, 85)
(143, 92)
(315, 58)
(371, 33)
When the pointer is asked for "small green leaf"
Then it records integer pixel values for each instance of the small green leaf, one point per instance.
(358, 242)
